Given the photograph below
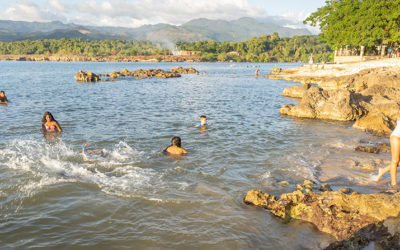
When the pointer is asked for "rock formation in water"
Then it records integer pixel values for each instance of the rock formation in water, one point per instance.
(341, 213)
(88, 76)
(371, 97)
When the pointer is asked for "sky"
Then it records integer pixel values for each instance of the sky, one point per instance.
(134, 13)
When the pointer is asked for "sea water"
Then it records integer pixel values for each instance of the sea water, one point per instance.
(52, 195)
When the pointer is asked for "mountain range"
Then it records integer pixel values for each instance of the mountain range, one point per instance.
(198, 29)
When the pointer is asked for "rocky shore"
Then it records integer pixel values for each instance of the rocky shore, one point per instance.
(82, 58)
(367, 93)
(354, 219)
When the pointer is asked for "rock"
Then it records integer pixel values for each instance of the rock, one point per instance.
(273, 77)
(299, 187)
(183, 70)
(86, 76)
(284, 182)
(375, 122)
(345, 190)
(296, 91)
(384, 235)
(326, 104)
(115, 74)
(333, 212)
(276, 71)
(367, 149)
(325, 187)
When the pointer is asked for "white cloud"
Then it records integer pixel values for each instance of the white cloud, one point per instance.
(25, 10)
(56, 4)
(128, 13)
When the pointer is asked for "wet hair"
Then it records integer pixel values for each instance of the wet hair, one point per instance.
(2, 92)
(176, 141)
(203, 116)
(44, 117)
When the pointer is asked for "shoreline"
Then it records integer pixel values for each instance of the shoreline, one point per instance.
(80, 58)
(368, 94)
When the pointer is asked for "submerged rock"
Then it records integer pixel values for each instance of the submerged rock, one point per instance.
(334, 212)
(375, 149)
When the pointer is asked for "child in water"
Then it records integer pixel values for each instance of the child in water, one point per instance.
(175, 147)
(3, 98)
(93, 151)
(203, 122)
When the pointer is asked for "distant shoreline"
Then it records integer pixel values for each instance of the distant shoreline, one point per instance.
(82, 58)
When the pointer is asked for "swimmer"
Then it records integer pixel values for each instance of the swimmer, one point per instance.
(203, 122)
(93, 151)
(257, 72)
(49, 124)
(175, 147)
(3, 98)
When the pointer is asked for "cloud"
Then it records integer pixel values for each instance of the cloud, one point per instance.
(25, 10)
(56, 4)
(129, 13)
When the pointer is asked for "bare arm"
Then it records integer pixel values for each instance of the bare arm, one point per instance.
(398, 116)
(58, 127)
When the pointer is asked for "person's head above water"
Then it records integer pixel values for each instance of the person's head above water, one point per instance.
(203, 120)
(176, 141)
(2, 94)
(47, 117)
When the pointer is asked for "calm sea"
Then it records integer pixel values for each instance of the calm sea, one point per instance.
(54, 196)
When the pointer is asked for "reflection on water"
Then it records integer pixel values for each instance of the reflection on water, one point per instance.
(134, 195)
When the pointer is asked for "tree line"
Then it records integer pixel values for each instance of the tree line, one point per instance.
(268, 48)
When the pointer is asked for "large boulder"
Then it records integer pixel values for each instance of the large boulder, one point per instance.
(334, 212)
(296, 91)
(375, 122)
(181, 70)
(337, 104)
(86, 76)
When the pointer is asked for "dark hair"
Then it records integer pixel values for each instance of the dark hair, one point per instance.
(176, 141)
(2, 92)
(44, 117)
(203, 116)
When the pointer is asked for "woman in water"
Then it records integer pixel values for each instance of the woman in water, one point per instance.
(3, 98)
(49, 124)
(175, 147)
(395, 148)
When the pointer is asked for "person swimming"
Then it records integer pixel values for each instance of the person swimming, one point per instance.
(49, 124)
(203, 122)
(3, 98)
(175, 148)
(93, 151)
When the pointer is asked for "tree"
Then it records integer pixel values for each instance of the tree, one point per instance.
(357, 22)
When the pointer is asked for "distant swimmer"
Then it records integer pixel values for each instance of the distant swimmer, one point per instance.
(175, 148)
(257, 72)
(3, 98)
(203, 122)
(93, 151)
(49, 124)
(311, 60)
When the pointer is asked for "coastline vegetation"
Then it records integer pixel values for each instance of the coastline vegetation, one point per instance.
(267, 48)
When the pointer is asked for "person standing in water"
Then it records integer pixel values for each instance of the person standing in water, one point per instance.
(395, 148)
(49, 124)
(175, 148)
(3, 98)
(311, 60)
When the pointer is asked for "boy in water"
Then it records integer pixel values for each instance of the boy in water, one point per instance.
(203, 122)
(175, 147)
(3, 98)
